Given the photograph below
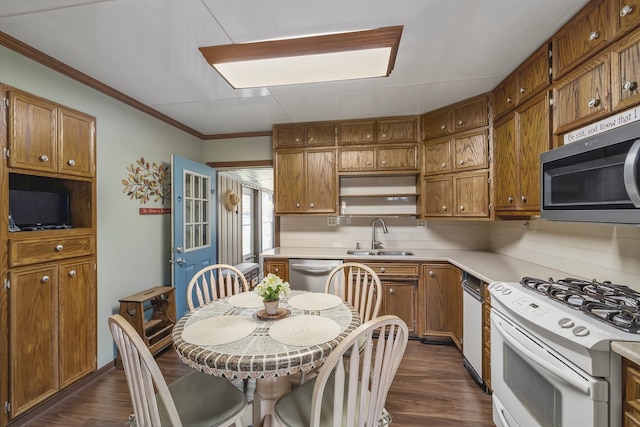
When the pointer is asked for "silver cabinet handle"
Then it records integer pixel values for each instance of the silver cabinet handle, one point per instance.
(43, 158)
(629, 86)
(311, 139)
(460, 162)
(297, 139)
(382, 270)
(510, 199)
(44, 279)
(461, 208)
(71, 162)
(443, 127)
(312, 205)
(276, 270)
(444, 208)
(523, 198)
(460, 122)
(443, 165)
(368, 162)
(391, 291)
(59, 248)
(431, 273)
(626, 10)
(593, 36)
(297, 205)
(72, 273)
(384, 135)
(368, 136)
(593, 102)
(509, 100)
(522, 90)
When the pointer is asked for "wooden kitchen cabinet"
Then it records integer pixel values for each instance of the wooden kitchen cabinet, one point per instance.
(297, 135)
(533, 75)
(486, 335)
(518, 142)
(626, 14)
(461, 152)
(457, 195)
(305, 181)
(378, 159)
(442, 301)
(357, 132)
(625, 72)
(46, 137)
(437, 197)
(398, 130)
(400, 290)
(470, 114)
(54, 306)
(589, 31)
(630, 393)
(436, 124)
(277, 266)
(504, 96)
(437, 157)
(582, 96)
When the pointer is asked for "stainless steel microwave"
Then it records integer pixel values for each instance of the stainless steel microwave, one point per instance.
(595, 179)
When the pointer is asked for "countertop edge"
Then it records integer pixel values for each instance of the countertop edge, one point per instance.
(628, 350)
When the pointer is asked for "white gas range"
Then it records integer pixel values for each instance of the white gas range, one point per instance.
(551, 358)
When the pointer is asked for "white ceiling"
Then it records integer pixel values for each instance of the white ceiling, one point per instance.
(148, 50)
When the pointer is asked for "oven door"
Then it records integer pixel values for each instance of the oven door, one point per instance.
(534, 387)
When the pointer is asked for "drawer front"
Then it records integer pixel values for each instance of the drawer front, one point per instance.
(386, 269)
(25, 252)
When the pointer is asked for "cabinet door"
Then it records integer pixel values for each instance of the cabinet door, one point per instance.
(582, 96)
(471, 194)
(400, 299)
(437, 196)
(288, 136)
(585, 33)
(279, 267)
(77, 320)
(625, 73)
(76, 143)
(626, 15)
(32, 133)
(33, 336)
(533, 75)
(356, 133)
(356, 160)
(289, 181)
(471, 151)
(321, 135)
(437, 300)
(437, 124)
(505, 97)
(398, 158)
(321, 183)
(505, 180)
(470, 115)
(437, 158)
(398, 130)
(534, 138)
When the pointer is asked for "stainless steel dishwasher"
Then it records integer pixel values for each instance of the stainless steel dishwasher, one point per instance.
(310, 274)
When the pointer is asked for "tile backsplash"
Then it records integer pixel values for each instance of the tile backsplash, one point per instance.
(600, 251)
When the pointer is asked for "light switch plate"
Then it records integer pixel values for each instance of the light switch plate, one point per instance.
(422, 223)
(331, 221)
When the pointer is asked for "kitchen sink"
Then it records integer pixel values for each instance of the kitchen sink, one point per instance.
(381, 252)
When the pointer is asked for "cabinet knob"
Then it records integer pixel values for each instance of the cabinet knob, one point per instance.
(311, 139)
(72, 273)
(593, 102)
(44, 279)
(460, 122)
(368, 136)
(443, 165)
(43, 158)
(382, 270)
(509, 100)
(71, 162)
(626, 10)
(443, 127)
(523, 198)
(384, 135)
(460, 162)
(368, 162)
(297, 139)
(59, 248)
(384, 162)
(297, 205)
(510, 199)
(431, 273)
(523, 90)
(629, 86)
(461, 208)
(392, 291)
(312, 205)
(444, 209)
(276, 270)
(593, 36)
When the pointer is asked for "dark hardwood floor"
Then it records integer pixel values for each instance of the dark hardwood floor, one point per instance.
(431, 388)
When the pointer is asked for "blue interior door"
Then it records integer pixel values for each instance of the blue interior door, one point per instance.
(193, 235)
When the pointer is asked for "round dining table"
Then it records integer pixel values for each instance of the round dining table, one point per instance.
(235, 338)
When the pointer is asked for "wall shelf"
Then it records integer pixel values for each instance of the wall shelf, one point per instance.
(389, 195)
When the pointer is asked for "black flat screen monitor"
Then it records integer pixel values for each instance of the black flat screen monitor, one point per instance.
(39, 209)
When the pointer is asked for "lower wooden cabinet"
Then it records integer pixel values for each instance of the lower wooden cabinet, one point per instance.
(277, 266)
(53, 307)
(630, 393)
(486, 335)
(441, 299)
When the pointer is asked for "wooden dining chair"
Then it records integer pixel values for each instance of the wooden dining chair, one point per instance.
(358, 285)
(350, 391)
(197, 399)
(214, 282)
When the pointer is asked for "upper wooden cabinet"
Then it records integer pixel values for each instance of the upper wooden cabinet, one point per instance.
(461, 152)
(305, 181)
(437, 124)
(44, 136)
(304, 135)
(582, 96)
(626, 14)
(587, 32)
(625, 72)
(471, 113)
(504, 96)
(534, 74)
(358, 132)
(380, 158)
(381, 131)
(461, 195)
(398, 130)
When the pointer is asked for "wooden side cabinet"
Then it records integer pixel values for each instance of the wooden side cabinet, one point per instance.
(630, 393)
(277, 266)
(486, 335)
(152, 313)
(442, 302)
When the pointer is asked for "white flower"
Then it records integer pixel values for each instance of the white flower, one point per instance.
(272, 288)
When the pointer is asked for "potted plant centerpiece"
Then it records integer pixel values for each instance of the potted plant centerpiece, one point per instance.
(271, 289)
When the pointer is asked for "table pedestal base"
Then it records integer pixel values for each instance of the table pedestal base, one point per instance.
(268, 391)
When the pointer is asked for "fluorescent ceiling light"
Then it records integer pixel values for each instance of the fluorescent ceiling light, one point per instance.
(344, 56)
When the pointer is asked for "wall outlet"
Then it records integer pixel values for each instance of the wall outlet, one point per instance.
(331, 221)
(422, 223)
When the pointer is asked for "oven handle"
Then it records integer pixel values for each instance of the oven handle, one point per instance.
(630, 173)
(580, 385)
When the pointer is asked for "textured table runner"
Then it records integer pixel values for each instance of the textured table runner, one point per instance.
(315, 301)
(219, 330)
(304, 330)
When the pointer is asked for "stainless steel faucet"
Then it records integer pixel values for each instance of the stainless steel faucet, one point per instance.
(374, 242)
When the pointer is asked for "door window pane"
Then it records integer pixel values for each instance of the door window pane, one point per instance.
(267, 221)
(197, 213)
(247, 222)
